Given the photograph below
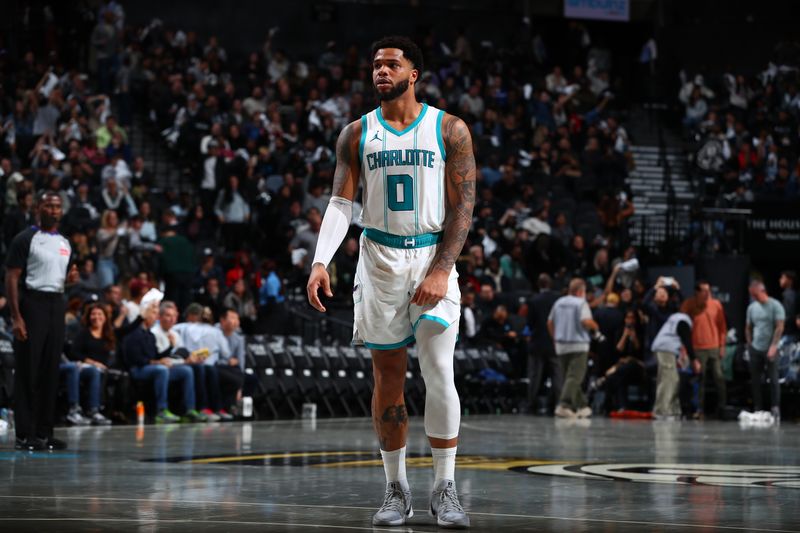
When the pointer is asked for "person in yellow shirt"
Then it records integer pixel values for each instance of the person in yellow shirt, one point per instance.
(709, 332)
(105, 133)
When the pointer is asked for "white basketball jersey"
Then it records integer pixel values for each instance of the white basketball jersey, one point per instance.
(402, 173)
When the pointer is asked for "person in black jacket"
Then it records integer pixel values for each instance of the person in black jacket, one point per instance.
(89, 357)
(542, 352)
(143, 362)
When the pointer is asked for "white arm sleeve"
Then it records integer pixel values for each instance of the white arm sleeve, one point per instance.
(334, 228)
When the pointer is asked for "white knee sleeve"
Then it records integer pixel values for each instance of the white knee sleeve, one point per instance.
(435, 346)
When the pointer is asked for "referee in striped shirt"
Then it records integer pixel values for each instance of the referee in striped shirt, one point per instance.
(37, 266)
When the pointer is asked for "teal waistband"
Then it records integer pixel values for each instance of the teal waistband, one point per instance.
(403, 241)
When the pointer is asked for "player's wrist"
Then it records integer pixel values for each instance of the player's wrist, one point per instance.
(319, 264)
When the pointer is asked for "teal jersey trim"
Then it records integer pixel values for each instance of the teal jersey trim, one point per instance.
(403, 241)
(385, 189)
(363, 138)
(432, 318)
(408, 128)
(416, 188)
(393, 346)
(439, 137)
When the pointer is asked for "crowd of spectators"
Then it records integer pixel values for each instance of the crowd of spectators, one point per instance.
(253, 138)
(745, 129)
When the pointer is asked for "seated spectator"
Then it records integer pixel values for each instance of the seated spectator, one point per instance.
(116, 197)
(108, 237)
(498, 331)
(230, 367)
(106, 132)
(136, 289)
(629, 368)
(145, 364)
(233, 213)
(90, 355)
(205, 345)
(211, 296)
(167, 340)
(241, 300)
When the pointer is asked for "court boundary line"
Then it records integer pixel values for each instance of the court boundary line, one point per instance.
(505, 515)
(190, 521)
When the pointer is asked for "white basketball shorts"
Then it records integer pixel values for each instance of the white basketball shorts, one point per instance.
(390, 268)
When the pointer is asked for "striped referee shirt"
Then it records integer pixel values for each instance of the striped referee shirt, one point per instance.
(43, 256)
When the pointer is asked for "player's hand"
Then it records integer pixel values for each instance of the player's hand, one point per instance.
(319, 278)
(432, 289)
(20, 329)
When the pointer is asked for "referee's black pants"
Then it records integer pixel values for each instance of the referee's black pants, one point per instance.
(37, 358)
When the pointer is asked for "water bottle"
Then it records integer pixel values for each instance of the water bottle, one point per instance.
(140, 413)
(247, 407)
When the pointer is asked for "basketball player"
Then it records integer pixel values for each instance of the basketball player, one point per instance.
(417, 168)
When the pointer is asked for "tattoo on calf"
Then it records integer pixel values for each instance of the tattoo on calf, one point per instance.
(395, 414)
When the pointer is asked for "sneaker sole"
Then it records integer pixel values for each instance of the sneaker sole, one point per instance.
(398, 522)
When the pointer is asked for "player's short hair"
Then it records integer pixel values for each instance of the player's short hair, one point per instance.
(410, 49)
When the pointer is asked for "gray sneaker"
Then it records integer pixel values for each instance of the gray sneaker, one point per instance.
(76, 418)
(396, 506)
(98, 419)
(446, 507)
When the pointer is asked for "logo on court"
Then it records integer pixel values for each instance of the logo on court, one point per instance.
(679, 474)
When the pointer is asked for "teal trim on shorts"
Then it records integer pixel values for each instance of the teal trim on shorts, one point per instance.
(408, 128)
(393, 346)
(403, 241)
(363, 139)
(439, 137)
(432, 318)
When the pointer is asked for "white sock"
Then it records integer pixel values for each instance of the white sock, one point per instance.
(394, 465)
(444, 463)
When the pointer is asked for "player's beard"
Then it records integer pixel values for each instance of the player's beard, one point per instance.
(396, 91)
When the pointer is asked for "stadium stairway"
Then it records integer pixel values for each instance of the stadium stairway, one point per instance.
(662, 190)
(148, 144)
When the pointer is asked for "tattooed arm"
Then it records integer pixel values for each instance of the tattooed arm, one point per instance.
(337, 217)
(459, 176)
(345, 177)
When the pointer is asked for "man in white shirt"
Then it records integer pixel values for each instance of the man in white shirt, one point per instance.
(167, 341)
(206, 345)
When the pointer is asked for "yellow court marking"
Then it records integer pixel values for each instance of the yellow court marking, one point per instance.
(474, 462)
(468, 461)
(285, 455)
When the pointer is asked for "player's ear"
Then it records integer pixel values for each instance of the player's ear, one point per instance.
(412, 78)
